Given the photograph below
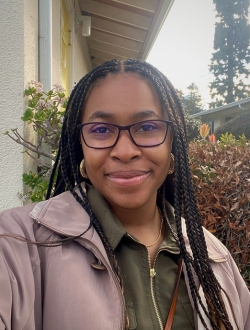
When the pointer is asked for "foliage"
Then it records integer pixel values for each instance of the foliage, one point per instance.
(231, 52)
(204, 131)
(236, 126)
(192, 102)
(44, 112)
(193, 124)
(222, 184)
(193, 127)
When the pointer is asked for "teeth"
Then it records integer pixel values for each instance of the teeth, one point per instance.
(126, 175)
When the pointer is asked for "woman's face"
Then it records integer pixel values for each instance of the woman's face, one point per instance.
(128, 176)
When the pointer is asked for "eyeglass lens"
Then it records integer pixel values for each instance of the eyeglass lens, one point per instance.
(104, 135)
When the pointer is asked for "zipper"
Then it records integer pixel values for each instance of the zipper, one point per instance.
(152, 274)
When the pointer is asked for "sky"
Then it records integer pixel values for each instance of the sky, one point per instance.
(184, 46)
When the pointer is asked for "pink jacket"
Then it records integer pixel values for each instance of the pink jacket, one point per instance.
(60, 288)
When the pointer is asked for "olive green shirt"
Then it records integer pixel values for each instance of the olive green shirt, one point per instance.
(147, 297)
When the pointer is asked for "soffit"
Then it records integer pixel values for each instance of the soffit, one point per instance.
(123, 28)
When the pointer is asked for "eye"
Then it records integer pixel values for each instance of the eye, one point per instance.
(102, 129)
(147, 127)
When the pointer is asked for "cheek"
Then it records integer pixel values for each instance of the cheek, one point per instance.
(94, 159)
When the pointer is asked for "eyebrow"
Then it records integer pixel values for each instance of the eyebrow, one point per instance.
(101, 115)
(110, 116)
(145, 114)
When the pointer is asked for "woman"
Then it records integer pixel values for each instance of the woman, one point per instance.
(106, 252)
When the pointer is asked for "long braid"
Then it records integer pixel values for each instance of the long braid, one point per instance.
(68, 178)
(185, 200)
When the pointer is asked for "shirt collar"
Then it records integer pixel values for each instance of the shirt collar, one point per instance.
(112, 227)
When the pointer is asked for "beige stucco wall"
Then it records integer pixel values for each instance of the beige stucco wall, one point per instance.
(19, 58)
(30, 69)
(16, 50)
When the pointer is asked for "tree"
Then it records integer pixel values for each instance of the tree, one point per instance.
(193, 102)
(231, 53)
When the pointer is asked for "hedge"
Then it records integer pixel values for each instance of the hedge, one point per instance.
(221, 175)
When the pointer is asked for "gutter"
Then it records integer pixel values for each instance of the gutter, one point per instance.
(227, 106)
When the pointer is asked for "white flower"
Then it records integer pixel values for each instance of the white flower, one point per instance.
(41, 103)
(58, 88)
(39, 90)
(49, 103)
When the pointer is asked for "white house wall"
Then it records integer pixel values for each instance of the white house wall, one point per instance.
(19, 64)
(17, 44)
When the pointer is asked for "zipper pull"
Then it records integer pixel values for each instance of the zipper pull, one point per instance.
(152, 272)
(98, 265)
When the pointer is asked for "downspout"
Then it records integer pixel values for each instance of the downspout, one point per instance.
(45, 50)
(45, 43)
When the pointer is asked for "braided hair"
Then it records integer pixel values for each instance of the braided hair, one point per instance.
(177, 188)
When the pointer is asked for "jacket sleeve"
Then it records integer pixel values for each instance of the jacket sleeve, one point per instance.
(5, 294)
(243, 293)
(18, 264)
(232, 281)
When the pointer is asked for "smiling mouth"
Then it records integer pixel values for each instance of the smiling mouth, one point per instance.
(128, 178)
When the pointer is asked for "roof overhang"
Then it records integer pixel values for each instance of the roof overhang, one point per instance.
(123, 28)
(239, 106)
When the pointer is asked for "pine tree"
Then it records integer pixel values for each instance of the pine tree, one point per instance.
(193, 124)
(193, 101)
(231, 52)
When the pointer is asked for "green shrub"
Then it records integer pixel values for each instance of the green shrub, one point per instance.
(44, 112)
(236, 126)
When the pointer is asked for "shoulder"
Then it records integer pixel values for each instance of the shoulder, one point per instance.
(216, 250)
(15, 220)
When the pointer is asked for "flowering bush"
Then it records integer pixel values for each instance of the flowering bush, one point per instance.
(45, 111)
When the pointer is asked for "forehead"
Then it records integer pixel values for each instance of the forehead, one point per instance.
(122, 96)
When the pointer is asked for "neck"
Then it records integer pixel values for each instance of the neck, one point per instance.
(142, 223)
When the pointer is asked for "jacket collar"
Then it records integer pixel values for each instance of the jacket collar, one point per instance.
(65, 216)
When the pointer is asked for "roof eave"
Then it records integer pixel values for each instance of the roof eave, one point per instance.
(162, 15)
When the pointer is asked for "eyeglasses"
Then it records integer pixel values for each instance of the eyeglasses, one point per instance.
(147, 133)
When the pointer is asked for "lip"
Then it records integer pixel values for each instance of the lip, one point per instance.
(128, 178)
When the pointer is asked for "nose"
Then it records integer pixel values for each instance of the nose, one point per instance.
(125, 149)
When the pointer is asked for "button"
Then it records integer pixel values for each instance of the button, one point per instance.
(98, 265)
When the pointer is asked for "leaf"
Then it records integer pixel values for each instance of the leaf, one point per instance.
(238, 163)
(235, 206)
(237, 179)
(28, 115)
